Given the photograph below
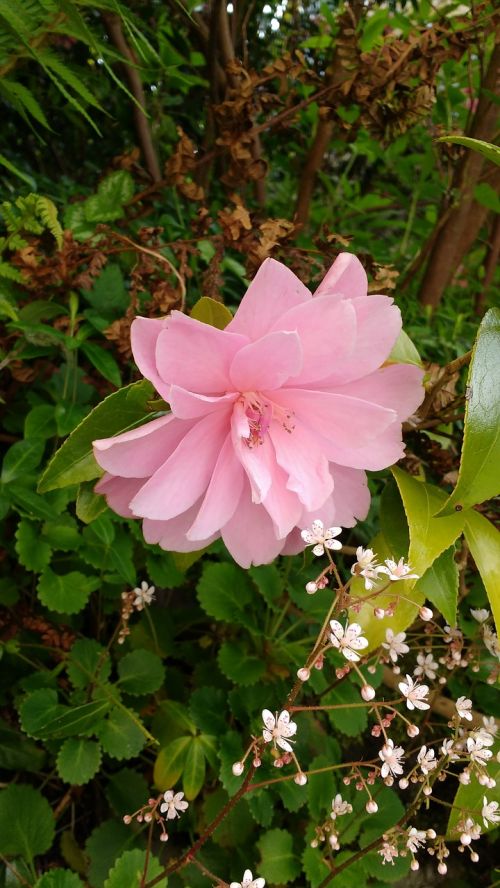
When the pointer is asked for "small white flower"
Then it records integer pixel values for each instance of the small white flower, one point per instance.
(415, 693)
(463, 707)
(173, 805)
(144, 594)
(448, 749)
(277, 728)
(470, 831)
(388, 852)
(248, 881)
(491, 642)
(481, 614)
(395, 645)
(340, 807)
(490, 812)
(398, 570)
(347, 640)
(391, 756)
(416, 839)
(427, 760)
(482, 736)
(451, 633)
(320, 538)
(366, 566)
(426, 666)
(477, 751)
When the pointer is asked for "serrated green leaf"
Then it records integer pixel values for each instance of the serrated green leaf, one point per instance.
(59, 878)
(47, 212)
(34, 553)
(478, 477)
(66, 593)
(130, 869)
(78, 761)
(38, 710)
(89, 505)
(127, 791)
(62, 534)
(74, 461)
(170, 763)
(440, 585)
(104, 846)
(103, 361)
(239, 666)
(141, 672)
(120, 735)
(88, 663)
(491, 152)
(27, 826)
(350, 720)
(21, 458)
(483, 540)
(261, 807)
(113, 192)
(279, 863)
(320, 787)
(17, 753)
(193, 774)
(208, 709)
(236, 828)
(211, 312)
(42, 716)
(224, 593)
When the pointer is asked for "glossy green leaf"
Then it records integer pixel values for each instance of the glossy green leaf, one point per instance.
(103, 361)
(429, 536)
(468, 802)
(59, 878)
(491, 152)
(479, 475)
(89, 505)
(27, 826)
(404, 351)
(279, 863)
(113, 192)
(170, 763)
(42, 716)
(17, 752)
(34, 553)
(131, 867)
(225, 592)
(66, 593)
(241, 667)
(121, 735)
(440, 585)
(74, 461)
(483, 540)
(209, 311)
(88, 663)
(22, 457)
(193, 775)
(78, 760)
(141, 672)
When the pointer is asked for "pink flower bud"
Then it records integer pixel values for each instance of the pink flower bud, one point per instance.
(379, 613)
(164, 837)
(300, 779)
(465, 839)
(442, 869)
(431, 834)
(311, 588)
(238, 769)
(127, 819)
(403, 783)
(304, 673)
(371, 807)
(256, 762)
(412, 731)
(426, 614)
(367, 692)
(427, 790)
(414, 865)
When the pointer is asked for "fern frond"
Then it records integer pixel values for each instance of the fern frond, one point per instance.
(47, 212)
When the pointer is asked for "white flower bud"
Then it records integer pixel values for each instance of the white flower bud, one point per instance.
(465, 839)
(300, 779)
(127, 819)
(474, 856)
(414, 865)
(371, 807)
(403, 783)
(491, 783)
(412, 731)
(367, 692)
(483, 779)
(464, 777)
(238, 769)
(379, 613)
(427, 790)
(431, 834)
(426, 614)
(311, 588)
(304, 674)
(164, 837)
(442, 869)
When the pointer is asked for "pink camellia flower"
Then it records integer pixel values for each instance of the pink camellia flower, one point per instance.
(273, 421)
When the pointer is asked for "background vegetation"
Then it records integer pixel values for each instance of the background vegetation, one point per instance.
(153, 153)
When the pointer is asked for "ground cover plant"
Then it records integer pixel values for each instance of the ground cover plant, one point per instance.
(251, 562)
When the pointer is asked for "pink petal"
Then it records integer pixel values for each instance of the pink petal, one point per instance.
(144, 334)
(293, 543)
(351, 496)
(266, 363)
(185, 475)
(299, 454)
(272, 292)
(397, 386)
(195, 356)
(222, 496)
(282, 505)
(172, 535)
(119, 492)
(346, 276)
(189, 405)
(327, 331)
(378, 327)
(141, 451)
(258, 461)
(249, 534)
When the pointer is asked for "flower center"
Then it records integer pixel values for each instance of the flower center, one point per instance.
(258, 413)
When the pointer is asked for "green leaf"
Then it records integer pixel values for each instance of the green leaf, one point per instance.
(27, 825)
(12, 168)
(21, 458)
(429, 536)
(491, 152)
(141, 672)
(66, 593)
(104, 846)
(279, 864)
(89, 505)
(126, 791)
(33, 553)
(483, 540)
(269, 582)
(487, 197)
(59, 878)
(62, 534)
(120, 735)
(320, 787)
(17, 753)
(40, 422)
(113, 192)
(42, 716)
(48, 214)
(393, 523)
(208, 708)
(109, 295)
(211, 312)
(130, 868)
(235, 829)
(478, 477)
(103, 361)
(224, 593)
(468, 802)
(78, 760)
(350, 720)
(170, 763)
(404, 351)
(239, 666)
(440, 585)
(193, 775)
(88, 663)
(74, 461)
